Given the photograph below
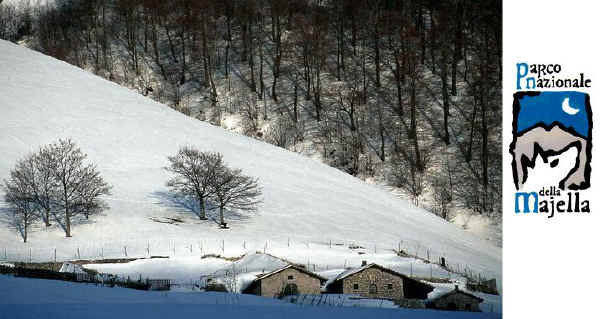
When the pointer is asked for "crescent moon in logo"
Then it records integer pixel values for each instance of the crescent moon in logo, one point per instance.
(567, 108)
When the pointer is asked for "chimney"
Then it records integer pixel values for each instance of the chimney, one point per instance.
(364, 263)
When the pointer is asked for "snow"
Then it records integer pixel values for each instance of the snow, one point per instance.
(311, 213)
(36, 298)
(71, 268)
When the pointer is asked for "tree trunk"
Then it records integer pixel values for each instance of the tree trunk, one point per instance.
(398, 78)
(296, 100)
(67, 223)
(46, 217)
(445, 97)
(413, 125)
(221, 209)
(202, 209)
(469, 154)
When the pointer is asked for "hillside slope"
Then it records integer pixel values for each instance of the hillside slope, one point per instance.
(130, 137)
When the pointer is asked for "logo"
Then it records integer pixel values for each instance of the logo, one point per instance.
(551, 129)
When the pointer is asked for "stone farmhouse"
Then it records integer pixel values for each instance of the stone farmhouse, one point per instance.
(289, 280)
(456, 300)
(375, 281)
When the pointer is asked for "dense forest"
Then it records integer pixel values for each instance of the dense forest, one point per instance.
(402, 93)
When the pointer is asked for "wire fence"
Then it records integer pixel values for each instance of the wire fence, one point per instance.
(328, 254)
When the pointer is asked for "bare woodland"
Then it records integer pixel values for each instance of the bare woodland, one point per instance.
(403, 92)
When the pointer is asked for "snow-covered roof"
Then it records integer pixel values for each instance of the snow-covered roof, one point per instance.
(261, 276)
(353, 271)
(455, 291)
(71, 268)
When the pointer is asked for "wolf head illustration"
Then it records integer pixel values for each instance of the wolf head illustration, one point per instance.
(548, 124)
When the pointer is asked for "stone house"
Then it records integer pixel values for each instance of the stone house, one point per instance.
(289, 280)
(374, 281)
(456, 300)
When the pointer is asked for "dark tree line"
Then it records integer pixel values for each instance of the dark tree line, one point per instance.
(54, 184)
(381, 87)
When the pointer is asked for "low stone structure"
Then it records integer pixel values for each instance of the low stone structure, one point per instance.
(289, 280)
(456, 300)
(374, 281)
(159, 284)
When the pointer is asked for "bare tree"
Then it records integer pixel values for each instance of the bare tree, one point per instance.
(195, 173)
(43, 183)
(282, 132)
(235, 190)
(443, 189)
(22, 210)
(92, 187)
(79, 184)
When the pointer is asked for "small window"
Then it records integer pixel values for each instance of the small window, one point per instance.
(390, 287)
(290, 277)
(355, 286)
(372, 289)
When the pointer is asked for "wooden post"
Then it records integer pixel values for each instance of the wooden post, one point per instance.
(125, 250)
(54, 254)
(431, 271)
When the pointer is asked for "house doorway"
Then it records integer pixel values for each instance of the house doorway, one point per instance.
(290, 290)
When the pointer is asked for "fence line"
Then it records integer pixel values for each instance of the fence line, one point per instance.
(144, 248)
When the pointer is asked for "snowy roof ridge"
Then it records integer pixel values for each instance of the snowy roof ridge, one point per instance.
(262, 276)
(455, 291)
(353, 271)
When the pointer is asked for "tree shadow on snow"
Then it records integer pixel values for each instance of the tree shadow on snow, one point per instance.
(187, 205)
(7, 218)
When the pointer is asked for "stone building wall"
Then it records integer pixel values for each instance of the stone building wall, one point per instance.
(462, 302)
(275, 284)
(387, 285)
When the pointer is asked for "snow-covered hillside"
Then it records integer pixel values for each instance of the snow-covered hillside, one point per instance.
(308, 207)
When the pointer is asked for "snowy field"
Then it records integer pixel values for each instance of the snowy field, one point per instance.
(57, 299)
(312, 214)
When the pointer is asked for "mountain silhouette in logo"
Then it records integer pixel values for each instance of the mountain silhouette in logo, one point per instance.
(548, 124)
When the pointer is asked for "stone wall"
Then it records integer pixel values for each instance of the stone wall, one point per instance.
(387, 285)
(275, 284)
(462, 302)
